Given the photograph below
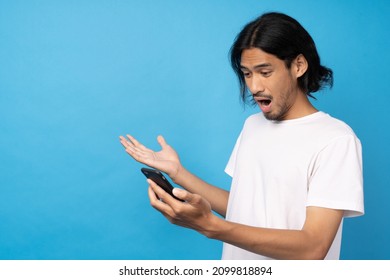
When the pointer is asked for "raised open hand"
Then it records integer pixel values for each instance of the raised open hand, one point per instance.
(166, 160)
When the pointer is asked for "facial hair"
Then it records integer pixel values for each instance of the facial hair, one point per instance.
(280, 109)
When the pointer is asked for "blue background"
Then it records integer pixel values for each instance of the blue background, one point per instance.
(74, 75)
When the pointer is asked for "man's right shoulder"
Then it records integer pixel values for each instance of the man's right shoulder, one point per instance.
(257, 117)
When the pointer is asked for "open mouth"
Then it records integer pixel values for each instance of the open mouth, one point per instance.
(264, 102)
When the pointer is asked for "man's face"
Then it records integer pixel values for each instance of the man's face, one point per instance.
(273, 85)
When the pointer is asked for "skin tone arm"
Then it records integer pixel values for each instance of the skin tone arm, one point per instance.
(167, 160)
(311, 242)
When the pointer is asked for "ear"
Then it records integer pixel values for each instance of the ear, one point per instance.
(300, 65)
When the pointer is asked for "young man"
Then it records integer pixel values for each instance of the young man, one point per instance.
(297, 172)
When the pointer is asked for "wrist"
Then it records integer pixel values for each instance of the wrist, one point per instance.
(214, 227)
(177, 174)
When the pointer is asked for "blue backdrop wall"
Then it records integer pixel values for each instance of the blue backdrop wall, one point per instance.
(74, 75)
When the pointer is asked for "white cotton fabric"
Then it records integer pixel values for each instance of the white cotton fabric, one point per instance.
(280, 168)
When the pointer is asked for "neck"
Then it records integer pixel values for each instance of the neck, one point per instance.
(302, 107)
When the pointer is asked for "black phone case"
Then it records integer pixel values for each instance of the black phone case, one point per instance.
(157, 177)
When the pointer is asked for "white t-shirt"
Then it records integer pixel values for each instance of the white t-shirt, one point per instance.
(280, 168)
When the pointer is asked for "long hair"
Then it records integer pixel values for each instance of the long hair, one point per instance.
(284, 37)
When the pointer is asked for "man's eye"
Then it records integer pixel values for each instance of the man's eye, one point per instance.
(266, 73)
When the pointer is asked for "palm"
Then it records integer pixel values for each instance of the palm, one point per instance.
(166, 160)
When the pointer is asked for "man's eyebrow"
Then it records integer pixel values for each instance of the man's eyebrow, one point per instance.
(259, 66)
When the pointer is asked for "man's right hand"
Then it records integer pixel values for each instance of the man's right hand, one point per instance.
(166, 160)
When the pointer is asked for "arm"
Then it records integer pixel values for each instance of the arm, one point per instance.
(218, 198)
(311, 242)
(167, 160)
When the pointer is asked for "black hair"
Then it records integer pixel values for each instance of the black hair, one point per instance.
(281, 35)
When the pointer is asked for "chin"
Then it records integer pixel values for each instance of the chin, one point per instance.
(273, 117)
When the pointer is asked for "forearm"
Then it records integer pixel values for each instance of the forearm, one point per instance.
(273, 243)
(311, 242)
(217, 197)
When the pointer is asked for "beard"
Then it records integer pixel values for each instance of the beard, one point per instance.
(280, 108)
(279, 114)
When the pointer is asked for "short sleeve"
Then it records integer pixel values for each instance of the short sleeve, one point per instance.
(336, 179)
(229, 169)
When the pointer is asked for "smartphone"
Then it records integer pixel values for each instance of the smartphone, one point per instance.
(157, 177)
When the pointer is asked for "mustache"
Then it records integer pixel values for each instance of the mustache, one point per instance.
(262, 95)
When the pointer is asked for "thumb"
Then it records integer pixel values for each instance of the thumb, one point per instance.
(191, 198)
(161, 141)
(180, 193)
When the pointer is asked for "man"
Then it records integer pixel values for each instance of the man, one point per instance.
(297, 172)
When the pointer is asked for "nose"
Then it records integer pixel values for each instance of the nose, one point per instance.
(255, 84)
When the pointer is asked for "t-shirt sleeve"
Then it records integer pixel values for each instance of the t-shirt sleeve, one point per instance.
(229, 169)
(336, 180)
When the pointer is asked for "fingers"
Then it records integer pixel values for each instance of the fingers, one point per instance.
(131, 142)
(137, 154)
(166, 198)
(160, 200)
(135, 149)
(135, 142)
(194, 214)
(123, 141)
(156, 202)
(162, 194)
(126, 143)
